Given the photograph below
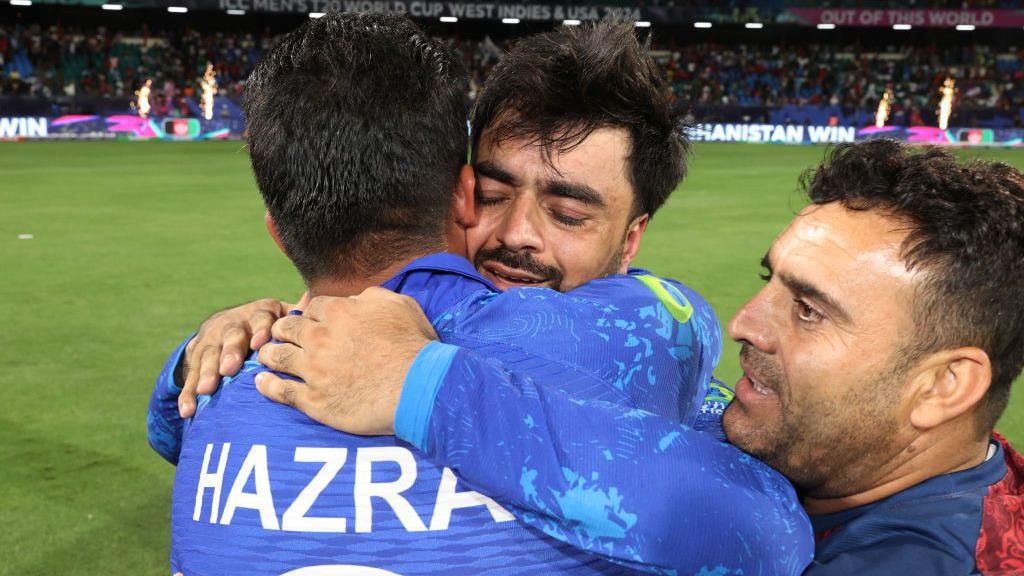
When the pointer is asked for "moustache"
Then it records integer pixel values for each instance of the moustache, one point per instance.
(518, 260)
(761, 367)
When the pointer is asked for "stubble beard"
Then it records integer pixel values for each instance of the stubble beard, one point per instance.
(826, 447)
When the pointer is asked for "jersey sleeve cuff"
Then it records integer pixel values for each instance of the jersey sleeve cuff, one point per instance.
(422, 383)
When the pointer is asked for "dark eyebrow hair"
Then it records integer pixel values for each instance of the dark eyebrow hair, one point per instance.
(805, 288)
(575, 191)
(489, 169)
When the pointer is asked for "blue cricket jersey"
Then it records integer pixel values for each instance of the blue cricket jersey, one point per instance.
(261, 489)
(624, 483)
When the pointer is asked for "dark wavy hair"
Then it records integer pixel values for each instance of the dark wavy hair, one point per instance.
(357, 131)
(966, 233)
(554, 89)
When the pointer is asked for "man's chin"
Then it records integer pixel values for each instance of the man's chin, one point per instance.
(745, 432)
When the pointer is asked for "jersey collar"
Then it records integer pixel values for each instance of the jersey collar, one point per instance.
(440, 262)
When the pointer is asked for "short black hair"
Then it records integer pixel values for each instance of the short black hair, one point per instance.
(356, 131)
(966, 222)
(554, 89)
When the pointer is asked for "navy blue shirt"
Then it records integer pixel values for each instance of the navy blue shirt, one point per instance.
(932, 528)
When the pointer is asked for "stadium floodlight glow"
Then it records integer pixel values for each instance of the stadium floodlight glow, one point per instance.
(571, 22)
(901, 26)
(21, 2)
(510, 20)
(236, 12)
(826, 26)
(753, 25)
(112, 7)
(316, 14)
(449, 19)
(965, 27)
(177, 9)
(642, 24)
(702, 24)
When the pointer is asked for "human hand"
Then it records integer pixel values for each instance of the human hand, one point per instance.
(352, 355)
(220, 346)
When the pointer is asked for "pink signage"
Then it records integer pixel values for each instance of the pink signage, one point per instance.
(917, 18)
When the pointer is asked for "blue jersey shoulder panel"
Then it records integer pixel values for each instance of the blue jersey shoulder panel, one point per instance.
(614, 330)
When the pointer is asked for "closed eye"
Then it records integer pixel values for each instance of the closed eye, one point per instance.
(490, 200)
(568, 220)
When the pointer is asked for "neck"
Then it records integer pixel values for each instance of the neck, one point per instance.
(929, 455)
(355, 284)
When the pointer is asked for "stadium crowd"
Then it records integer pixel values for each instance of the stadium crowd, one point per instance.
(67, 61)
(847, 76)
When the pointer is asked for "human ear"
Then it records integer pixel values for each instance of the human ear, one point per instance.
(948, 384)
(268, 220)
(634, 234)
(464, 198)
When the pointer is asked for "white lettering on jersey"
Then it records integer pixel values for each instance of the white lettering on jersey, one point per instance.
(214, 481)
(255, 465)
(294, 518)
(365, 489)
(448, 499)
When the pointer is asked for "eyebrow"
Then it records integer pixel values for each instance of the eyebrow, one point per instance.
(572, 190)
(805, 288)
(575, 191)
(491, 170)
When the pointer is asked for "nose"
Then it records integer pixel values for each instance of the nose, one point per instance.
(519, 228)
(752, 324)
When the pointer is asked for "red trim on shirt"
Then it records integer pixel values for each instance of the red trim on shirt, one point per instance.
(1000, 550)
(819, 536)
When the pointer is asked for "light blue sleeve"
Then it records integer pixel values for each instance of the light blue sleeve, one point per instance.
(163, 423)
(621, 483)
(417, 402)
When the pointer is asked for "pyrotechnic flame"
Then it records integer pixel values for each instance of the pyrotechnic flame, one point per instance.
(209, 85)
(142, 99)
(946, 103)
(883, 109)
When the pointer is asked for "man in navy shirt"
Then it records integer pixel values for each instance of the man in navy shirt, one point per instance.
(877, 359)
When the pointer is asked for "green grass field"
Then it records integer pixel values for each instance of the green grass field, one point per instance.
(135, 243)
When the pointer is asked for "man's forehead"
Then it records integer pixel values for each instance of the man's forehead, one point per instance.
(852, 249)
(601, 159)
